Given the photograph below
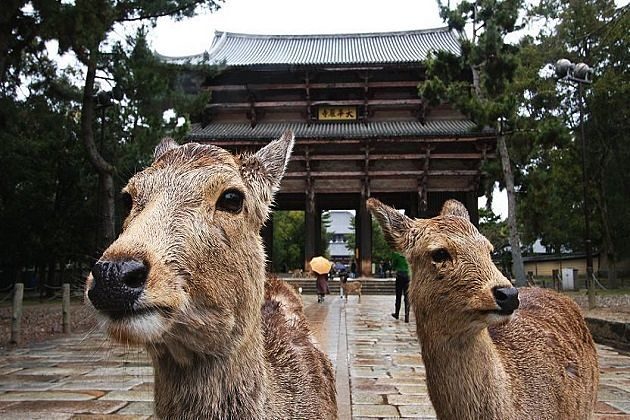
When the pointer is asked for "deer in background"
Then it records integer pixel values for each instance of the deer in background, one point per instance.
(485, 359)
(186, 279)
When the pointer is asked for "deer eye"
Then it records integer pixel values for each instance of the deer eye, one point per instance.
(231, 201)
(440, 255)
(127, 203)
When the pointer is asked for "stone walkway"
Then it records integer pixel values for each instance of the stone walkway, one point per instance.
(379, 371)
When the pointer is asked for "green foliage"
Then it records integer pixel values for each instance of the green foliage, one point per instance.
(46, 205)
(288, 240)
(594, 32)
(48, 193)
(491, 226)
(289, 237)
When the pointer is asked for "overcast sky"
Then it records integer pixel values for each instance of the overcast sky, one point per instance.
(294, 17)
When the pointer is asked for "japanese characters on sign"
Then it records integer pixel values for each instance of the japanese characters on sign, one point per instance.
(337, 113)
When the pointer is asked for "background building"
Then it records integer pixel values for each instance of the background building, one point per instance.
(341, 233)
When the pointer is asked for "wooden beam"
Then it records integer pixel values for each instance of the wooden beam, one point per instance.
(301, 104)
(395, 156)
(381, 174)
(300, 86)
(336, 141)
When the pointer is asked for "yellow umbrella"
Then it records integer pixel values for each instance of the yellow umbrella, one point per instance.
(320, 265)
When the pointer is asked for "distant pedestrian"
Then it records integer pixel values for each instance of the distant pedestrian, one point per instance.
(322, 286)
(353, 269)
(402, 285)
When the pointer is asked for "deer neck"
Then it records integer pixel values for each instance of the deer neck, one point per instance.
(465, 375)
(231, 385)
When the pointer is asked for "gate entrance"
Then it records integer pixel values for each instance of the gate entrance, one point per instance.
(361, 129)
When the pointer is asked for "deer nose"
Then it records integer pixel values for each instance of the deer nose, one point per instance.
(117, 286)
(506, 298)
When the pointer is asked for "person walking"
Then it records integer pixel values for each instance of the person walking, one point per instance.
(322, 286)
(399, 264)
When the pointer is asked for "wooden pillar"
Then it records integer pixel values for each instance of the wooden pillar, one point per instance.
(364, 228)
(318, 232)
(16, 314)
(65, 309)
(309, 229)
(266, 232)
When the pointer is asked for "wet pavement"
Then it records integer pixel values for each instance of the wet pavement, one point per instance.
(378, 365)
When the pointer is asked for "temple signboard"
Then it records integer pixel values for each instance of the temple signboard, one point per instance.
(337, 113)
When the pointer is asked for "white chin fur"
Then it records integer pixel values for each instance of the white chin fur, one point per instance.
(497, 319)
(141, 328)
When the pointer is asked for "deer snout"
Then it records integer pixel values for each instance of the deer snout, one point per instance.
(117, 285)
(506, 298)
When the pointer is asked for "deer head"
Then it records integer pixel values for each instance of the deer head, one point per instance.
(455, 288)
(187, 271)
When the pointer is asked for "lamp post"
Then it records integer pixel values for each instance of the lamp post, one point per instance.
(580, 74)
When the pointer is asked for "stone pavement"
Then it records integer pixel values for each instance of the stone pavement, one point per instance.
(379, 371)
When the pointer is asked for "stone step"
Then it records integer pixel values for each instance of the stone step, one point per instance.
(369, 286)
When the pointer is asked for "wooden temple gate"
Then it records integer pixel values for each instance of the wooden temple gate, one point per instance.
(361, 129)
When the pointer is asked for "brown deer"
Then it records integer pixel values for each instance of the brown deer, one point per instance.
(353, 287)
(485, 359)
(186, 279)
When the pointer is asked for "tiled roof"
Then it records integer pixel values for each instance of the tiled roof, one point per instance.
(389, 129)
(236, 49)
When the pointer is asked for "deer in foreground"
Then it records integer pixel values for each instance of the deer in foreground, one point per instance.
(485, 359)
(186, 279)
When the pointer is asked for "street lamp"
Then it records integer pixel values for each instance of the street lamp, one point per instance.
(581, 74)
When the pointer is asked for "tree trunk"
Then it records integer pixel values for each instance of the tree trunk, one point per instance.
(515, 244)
(609, 243)
(105, 169)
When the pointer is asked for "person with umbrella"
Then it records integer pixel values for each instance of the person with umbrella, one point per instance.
(321, 267)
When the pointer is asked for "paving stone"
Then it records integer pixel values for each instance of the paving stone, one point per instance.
(611, 393)
(367, 398)
(605, 408)
(412, 389)
(397, 399)
(109, 417)
(423, 410)
(120, 371)
(623, 406)
(50, 396)
(34, 415)
(383, 362)
(138, 408)
(27, 386)
(53, 371)
(410, 380)
(370, 410)
(86, 407)
(102, 384)
(129, 396)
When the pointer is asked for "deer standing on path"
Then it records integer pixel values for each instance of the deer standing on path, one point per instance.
(484, 359)
(186, 279)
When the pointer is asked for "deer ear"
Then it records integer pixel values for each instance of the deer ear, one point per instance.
(263, 171)
(269, 163)
(454, 208)
(395, 225)
(165, 145)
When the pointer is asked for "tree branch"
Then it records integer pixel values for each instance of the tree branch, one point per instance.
(162, 14)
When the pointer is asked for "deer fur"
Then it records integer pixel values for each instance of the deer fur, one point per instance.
(225, 343)
(353, 287)
(537, 363)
